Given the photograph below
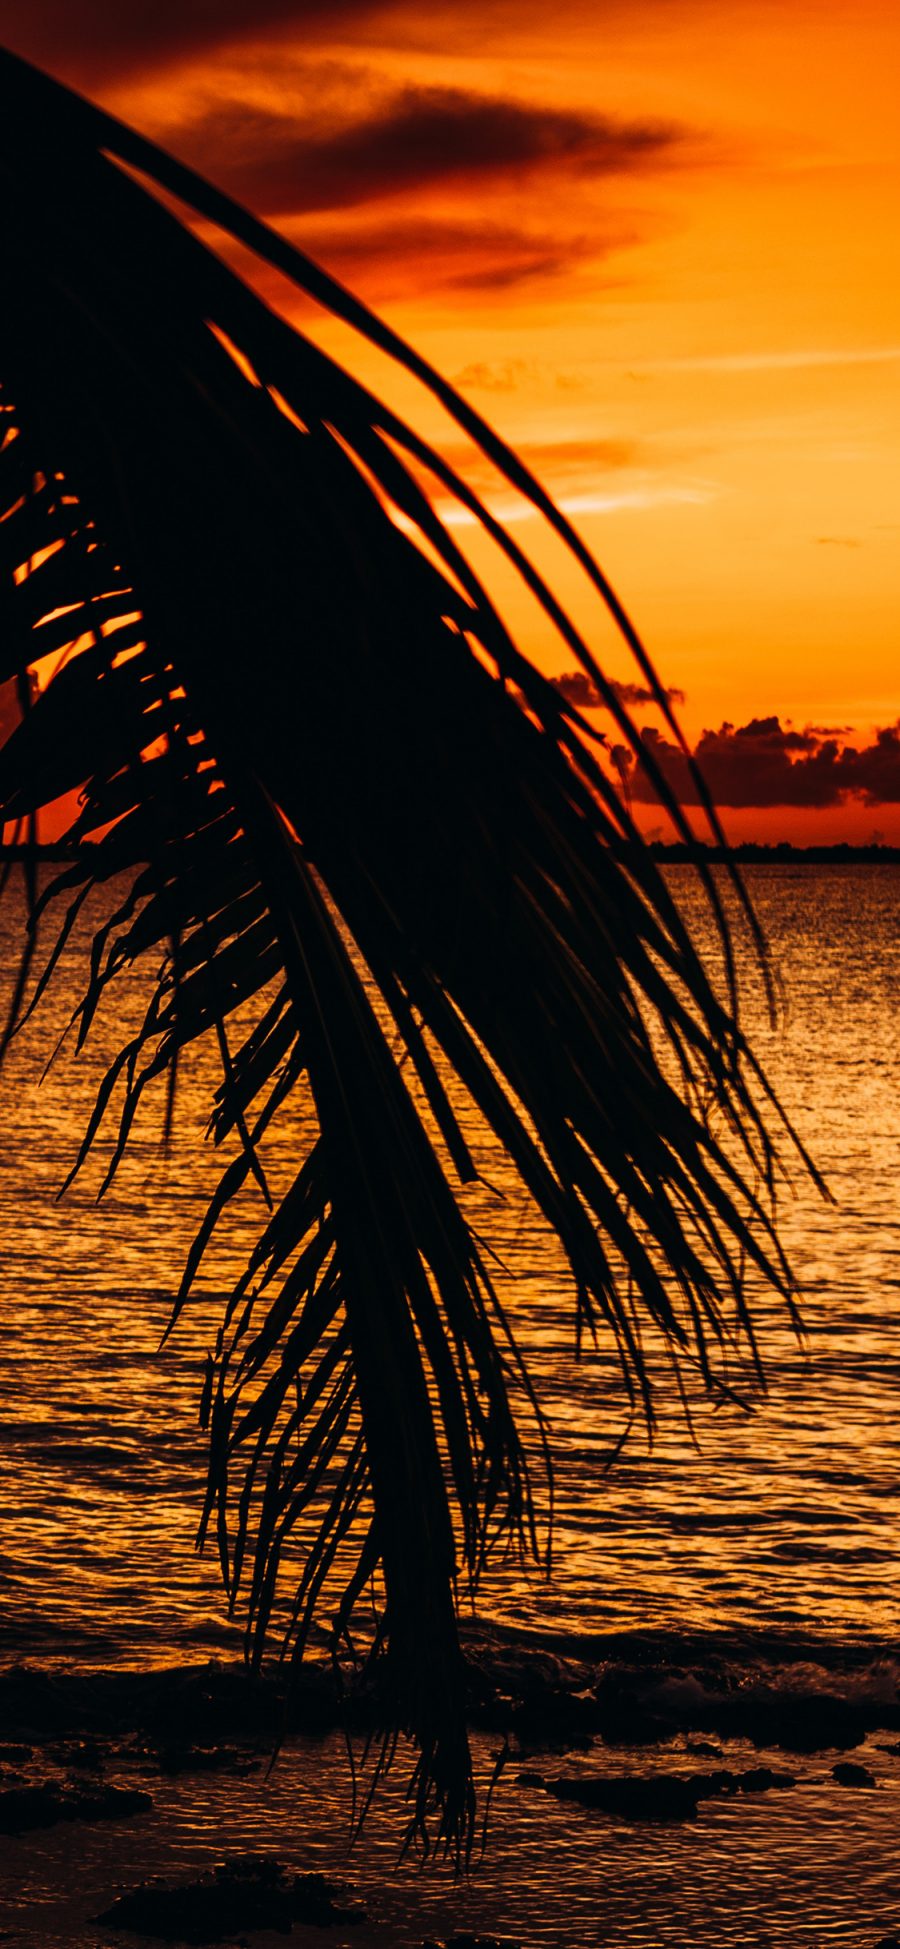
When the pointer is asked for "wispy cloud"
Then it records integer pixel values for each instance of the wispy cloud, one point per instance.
(600, 501)
(493, 375)
(100, 38)
(414, 138)
(778, 361)
(390, 258)
(509, 375)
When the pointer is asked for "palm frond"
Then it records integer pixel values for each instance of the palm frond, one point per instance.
(353, 814)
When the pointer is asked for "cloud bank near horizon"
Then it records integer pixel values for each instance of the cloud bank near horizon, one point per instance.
(766, 764)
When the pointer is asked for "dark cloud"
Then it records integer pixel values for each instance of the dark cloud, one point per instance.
(580, 689)
(838, 541)
(533, 261)
(763, 763)
(392, 258)
(417, 138)
(385, 259)
(89, 40)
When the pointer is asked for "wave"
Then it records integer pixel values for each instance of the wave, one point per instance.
(540, 1690)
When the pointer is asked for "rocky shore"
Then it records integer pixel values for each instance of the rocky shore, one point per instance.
(637, 1734)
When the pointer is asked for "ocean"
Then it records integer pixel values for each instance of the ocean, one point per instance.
(750, 1556)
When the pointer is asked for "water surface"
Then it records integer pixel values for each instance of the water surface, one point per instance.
(783, 1522)
(784, 1518)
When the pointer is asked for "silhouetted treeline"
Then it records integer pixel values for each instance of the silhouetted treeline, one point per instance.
(751, 851)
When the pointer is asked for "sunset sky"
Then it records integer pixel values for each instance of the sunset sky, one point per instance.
(655, 244)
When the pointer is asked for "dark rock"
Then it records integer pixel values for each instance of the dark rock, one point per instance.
(181, 1706)
(650, 1707)
(546, 1701)
(252, 1866)
(761, 1779)
(626, 1715)
(530, 1779)
(888, 1942)
(206, 1759)
(554, 1722)
(22, 1809)
(893, 1746)
(703, 1749)
(848, 1774)
(471, 1942)
(248, 1892)
(83, 1754)
(808, 1723)
(14, 1755)
(662, 1796)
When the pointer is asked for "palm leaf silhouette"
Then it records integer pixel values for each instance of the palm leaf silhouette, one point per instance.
(344, 798)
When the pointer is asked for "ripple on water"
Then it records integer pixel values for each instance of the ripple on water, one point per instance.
(786, 1519)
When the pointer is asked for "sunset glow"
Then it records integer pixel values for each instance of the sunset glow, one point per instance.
(450, 832)
(656, 251)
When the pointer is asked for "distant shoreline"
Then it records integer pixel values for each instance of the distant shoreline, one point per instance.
(751, 852)
(748, 852)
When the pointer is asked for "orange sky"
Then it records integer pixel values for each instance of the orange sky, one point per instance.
(657, 247)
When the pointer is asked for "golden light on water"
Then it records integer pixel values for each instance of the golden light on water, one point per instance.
(781, 1519)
